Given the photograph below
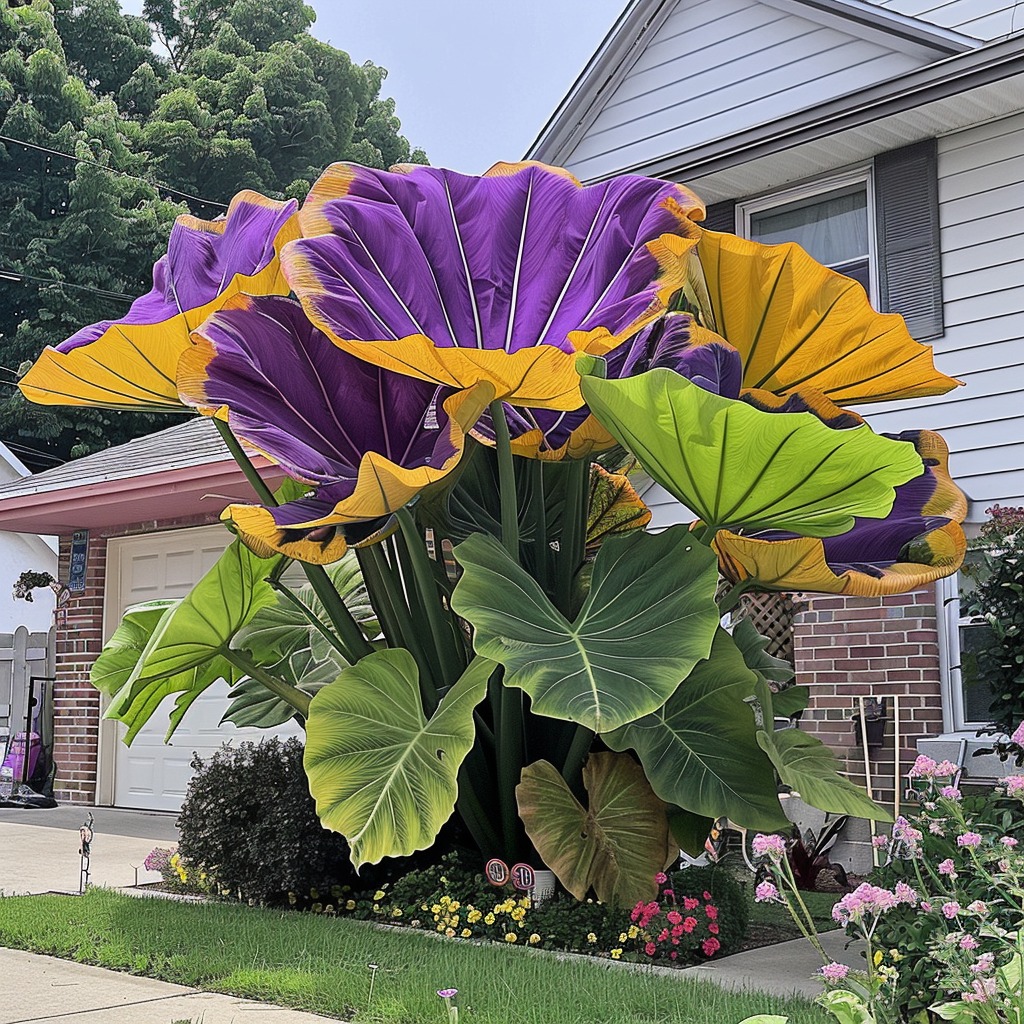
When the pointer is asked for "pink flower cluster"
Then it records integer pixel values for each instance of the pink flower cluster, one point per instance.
(664, 928)
(926, 767)
(769, 845)
(1014, 784)
(834, 971)
(970, 840)
(870, 901)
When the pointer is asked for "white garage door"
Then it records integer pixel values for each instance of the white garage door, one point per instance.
(151, 774)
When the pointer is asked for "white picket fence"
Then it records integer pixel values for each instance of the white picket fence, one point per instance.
(22, 655)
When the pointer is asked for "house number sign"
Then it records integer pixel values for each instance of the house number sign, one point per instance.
(79, 552)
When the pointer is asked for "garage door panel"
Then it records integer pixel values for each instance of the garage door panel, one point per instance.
(151, 774)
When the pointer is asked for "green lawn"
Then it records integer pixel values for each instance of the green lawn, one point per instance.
(320, 964)
(770, 922)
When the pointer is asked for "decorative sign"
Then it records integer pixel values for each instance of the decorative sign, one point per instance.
(79, 552)
(524, 878)
(496, 871)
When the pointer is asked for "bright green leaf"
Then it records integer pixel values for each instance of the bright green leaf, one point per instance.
(790, 701)
(738, 467)
(382, 774)
(121, 653)
(616, 846)
(700, 750)
(811, 769)
(648, 619)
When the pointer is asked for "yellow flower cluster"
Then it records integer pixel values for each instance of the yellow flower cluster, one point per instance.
(178, 867)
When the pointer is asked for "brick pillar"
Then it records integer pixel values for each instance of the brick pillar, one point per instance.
(847, 647)
(76, 706)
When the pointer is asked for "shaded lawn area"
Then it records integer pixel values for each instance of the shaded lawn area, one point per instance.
(320, 964)
(771, 923)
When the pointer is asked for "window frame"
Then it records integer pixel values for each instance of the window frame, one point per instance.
(951, 621)
(862, 174)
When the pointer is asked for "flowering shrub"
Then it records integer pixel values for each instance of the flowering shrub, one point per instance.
(671, 928)
(157, 859)
(942, 920)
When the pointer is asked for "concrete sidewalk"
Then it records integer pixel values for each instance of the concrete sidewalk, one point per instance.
(41, 988)
(39, 849)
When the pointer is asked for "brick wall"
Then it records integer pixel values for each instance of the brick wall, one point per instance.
(76, 705)
(847, 647)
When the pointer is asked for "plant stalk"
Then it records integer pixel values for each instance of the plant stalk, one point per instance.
(506, 481)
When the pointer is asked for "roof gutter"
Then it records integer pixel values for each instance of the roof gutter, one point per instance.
(991, 63)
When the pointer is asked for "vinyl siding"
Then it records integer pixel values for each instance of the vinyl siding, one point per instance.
(717, 67)
(981, 214)
(983, 19)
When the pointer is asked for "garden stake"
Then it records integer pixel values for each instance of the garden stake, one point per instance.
(896, 775)
(867, 773)
(85, 834)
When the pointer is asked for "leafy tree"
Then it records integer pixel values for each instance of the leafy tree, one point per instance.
(244, 98)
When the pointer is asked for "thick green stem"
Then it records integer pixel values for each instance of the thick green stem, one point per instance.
(506, 481)
(509, 751)
(452, 665)
(573, 541)
(582, 741)
(337, 611)
(289, 694)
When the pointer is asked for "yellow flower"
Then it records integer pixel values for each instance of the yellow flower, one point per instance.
(435, 909)
(467, 932)
(450, 932)
(878, 957)
(397, 912)
(534, 939)
(895, 955)
(379, 894)
(622, 936)
(313, 894)
(633, 931)
(511, 936)
(591, 937)
(616, 953)
(473, 916)
(489, 919)
(518, 914)
(350, 904)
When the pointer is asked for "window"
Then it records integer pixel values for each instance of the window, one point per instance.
(966, 698)
(830, 218)
(891, 204)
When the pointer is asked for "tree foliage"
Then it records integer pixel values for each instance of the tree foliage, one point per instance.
(207, 96)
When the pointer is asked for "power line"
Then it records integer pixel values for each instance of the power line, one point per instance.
(113, 170)
(16, 275)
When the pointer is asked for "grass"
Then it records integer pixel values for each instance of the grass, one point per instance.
(321, 964)
(770, 922)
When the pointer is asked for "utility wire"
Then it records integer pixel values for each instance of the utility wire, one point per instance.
(113, 170)
(16, 275)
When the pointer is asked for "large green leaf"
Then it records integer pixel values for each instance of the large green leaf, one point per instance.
(121, 653)
(252, 704)
(765, 666)
(649, 618)
(190, 648)
(700, 750)
(616, 846)
(382, 774)
(689, 830)
(739, 467)
(809, 767)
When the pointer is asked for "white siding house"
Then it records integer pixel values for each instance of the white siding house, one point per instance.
(910, 114)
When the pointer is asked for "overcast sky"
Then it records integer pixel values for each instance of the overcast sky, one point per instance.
(473, 80)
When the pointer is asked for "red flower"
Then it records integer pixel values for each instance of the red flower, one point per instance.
(674, 917)
(650, 949)
(707, 895)
(710, 946)
(689, 903)
(713, 928)
(689, 924)
(711, 911)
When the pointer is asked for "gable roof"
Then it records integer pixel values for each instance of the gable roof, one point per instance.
(183, 471)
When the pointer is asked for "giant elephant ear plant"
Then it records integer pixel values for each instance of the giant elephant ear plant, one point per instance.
(457, 373)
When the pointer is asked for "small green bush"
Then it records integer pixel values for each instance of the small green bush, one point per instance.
(249, 823)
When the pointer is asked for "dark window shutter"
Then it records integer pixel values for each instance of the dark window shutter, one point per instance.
(907, 218)
(721, 217)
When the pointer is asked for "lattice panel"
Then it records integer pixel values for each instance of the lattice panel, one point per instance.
(772, 615)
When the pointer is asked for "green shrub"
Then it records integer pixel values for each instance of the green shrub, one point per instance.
(249, 823)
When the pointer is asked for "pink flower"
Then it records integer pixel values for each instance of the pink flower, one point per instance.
(677, 930)
(765, 892)
(926, 906)
(946, 769)
(661, 878)
(1014, 785)
(650, 949)
(978, 907)
(1018, 735)
(969, 839)
(689, 903)
(674, 917)
(947, 867)
(950, 909)
(923, 768)
(936, 828)
(711, 911)
(668, 893)
(879, 841)
(771, 845)
(984, 963)
(1008, 841)
(905, 894)
(969, 942)
(710, 946)
(713, 928)
(951, 792)
(983, 989)
(689, 924)
(834, 971)
(673, 955)
(905, 833)
(447, 993)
